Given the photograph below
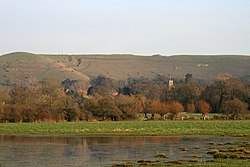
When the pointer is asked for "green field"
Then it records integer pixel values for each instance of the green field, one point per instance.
(133, 128)
(220, 163)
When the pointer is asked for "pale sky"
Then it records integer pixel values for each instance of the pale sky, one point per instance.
(143, 27)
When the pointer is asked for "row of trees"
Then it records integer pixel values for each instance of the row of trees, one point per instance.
(43, 101)
(108, 99)
(195, 95)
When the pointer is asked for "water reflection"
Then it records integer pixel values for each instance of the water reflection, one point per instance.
(98, 151)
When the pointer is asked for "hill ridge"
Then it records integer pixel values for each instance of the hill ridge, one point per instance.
(21, 66)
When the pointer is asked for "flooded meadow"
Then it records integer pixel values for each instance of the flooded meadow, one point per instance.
(75, 151)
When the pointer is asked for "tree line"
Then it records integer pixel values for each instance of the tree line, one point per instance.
(109, 99)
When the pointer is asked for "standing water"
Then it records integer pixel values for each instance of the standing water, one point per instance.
(41, 151)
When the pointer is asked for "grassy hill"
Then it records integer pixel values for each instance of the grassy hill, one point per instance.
(21, 66)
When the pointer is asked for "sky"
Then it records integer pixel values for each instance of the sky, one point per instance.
(142, 27)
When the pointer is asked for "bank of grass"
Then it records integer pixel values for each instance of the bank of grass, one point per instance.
(131, 128)
(219, 163)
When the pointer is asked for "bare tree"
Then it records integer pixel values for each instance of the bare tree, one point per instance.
(204, 107)
(234, 108)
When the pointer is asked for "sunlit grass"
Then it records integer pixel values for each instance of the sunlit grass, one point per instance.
(219, 163)
(158, 128)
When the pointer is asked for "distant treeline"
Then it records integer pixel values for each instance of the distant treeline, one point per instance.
(108, 99)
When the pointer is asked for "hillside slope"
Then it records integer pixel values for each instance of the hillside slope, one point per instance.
(21, 66)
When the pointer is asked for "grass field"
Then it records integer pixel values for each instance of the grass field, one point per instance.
(220, 163)
(133, 128)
